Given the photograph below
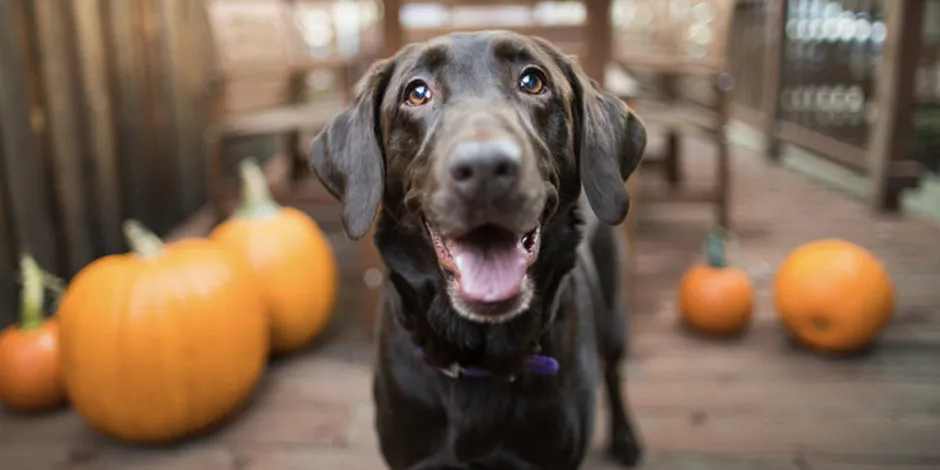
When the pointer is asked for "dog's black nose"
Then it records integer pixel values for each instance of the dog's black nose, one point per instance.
(485, 170)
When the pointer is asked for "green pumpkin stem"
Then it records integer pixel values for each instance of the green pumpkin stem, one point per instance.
(32, 297)
(256, 201)
(143, 242)
(715, 249)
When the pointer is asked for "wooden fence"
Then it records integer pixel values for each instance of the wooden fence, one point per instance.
(102, 113)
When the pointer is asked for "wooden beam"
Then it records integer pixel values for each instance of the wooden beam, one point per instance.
(124, 23)
(889, 140)
(99, 121)
(392, 30)
(599, 32)
(7, 253)
(65, 138)
(845, 154)
(29, 201)
(773, 60)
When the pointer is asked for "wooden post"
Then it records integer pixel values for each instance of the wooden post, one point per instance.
(65, 138)
(99, 120)
(599, 38)
(775, 40)
(34, 229)
(392, 31)
(8, 259)
(888, 146)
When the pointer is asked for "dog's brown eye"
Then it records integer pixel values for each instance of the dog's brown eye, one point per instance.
(419, 93)
(532, 82)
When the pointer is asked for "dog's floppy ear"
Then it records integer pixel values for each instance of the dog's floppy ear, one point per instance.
(609, 140)
(347, 155)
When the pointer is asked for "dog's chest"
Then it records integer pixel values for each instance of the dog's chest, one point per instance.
(517, 426)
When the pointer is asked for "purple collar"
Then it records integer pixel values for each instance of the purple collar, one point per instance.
(535, 365)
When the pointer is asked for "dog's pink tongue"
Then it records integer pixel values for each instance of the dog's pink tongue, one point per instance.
(490, 271)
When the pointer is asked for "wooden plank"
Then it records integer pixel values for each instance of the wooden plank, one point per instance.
(599, 36)
(65, 137)
(890, 139)
(392, 31)
(835, 399)
(8, 265)
(796, 460)
(124, 26)
(184, 25)
(857, 438)
(156, 100)
(555, 33)
(99, 121)
(29, 202)
(682, 194)
(659, 63)
(774, 40)
(835, 150)
(778, 361)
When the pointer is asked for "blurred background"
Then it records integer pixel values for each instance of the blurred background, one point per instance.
(782, 121)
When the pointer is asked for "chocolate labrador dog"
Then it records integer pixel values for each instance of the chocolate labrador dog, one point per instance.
(471, 151)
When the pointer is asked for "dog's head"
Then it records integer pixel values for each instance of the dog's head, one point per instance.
(477, 140)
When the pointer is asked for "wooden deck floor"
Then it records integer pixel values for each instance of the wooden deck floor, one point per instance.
(756, 403)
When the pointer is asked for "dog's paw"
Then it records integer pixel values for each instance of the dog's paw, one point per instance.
(625, 449)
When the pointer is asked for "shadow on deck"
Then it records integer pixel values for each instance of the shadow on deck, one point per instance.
(756, 403)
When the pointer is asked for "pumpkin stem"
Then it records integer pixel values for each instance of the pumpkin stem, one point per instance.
(256, 201)
(32, 297)
(142, 241)
(715, 249)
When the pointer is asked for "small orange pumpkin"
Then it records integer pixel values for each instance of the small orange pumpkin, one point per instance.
(291, 257)
(163, 342)
(714, 298)
(30, 373)
(834, 296)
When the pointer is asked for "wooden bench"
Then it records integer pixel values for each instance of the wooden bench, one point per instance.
(678, 57)
(269, 80)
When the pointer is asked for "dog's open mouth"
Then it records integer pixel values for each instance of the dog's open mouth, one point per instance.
(489, 263)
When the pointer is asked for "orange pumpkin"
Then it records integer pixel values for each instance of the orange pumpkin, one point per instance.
(291, 257)
(833, 296)
(714, 298)
(30, 374)
(163, 342)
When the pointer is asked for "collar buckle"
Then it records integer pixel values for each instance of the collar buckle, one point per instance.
(452, 371)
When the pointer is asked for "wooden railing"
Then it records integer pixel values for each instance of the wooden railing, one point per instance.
(747, 54)
(840, 78)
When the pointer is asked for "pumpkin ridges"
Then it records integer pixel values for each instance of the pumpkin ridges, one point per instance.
(228, 377)
(838, 283)
(290, 257)
(80, 298)
(181, 345)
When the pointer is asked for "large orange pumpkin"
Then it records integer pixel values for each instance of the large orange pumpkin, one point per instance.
(30, 375)
(714, 298)
(291, 257)
(834, 296)
(163, 342)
